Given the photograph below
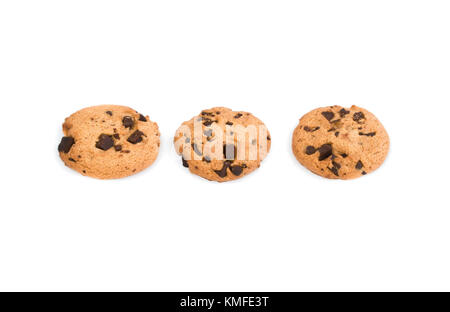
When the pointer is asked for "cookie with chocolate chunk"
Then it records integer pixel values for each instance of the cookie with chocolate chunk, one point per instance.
(340, 143)
(222, 145)
(109, 142)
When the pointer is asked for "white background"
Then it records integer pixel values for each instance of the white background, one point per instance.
(279, 229)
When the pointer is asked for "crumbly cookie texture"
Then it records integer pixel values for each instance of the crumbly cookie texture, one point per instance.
(109, 141)
(228, 145)
(340, 143)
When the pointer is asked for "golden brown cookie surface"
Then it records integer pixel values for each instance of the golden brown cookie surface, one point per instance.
(340, 143)
(109, 141)
(221, 144)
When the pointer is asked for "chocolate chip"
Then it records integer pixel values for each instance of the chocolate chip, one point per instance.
(229, 151)
(244, 166)
(222, 172)
(236, 170)
(310, 150)
(208, 132)
(336, 133)
(343, 112)
(116, 136)
(334, 170)
(358, 116)
(207, 159)
(238, 115)
(328, 115)
(128, 122)
(185, 163)
(208, 123)
(196, 149)
(370, 134)
(308, 129)
(229, 123)
(66, 144)
(325, 151)
(268, 138)
(118, 148)
(135, 137)
(359, 165)
(363, 173)
(207, 114)
(344, 155)
(336, 165)
(109, 113)
(105, 142)
(72, 160)
(142, 118)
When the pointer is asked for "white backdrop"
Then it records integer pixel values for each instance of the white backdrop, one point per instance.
(279, 229)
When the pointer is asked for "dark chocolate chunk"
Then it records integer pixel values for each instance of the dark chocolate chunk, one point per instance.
(109, 113)
(325, 151)
(185, 163)
(135, 137)
(370, 134)
(128, 122)
(105, 142)
(363, 173)
(358, 116)
(268, 138)
(336, 165)
(118, 148)
(236, 170)
(359, 165)
(116, 136)
(310, 150)
(66, 144)
(344, 155)
(229, 123)
(222, 172)
(142, 118)
(208, 123)
(328, 115)
(309, 129)
(72, 160)
(196, 149)
(336, 133)
(229, 151)
(343, 112)
(238, 115)
(334, 170)
(207, 114)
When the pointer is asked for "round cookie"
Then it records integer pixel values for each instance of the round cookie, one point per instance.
(340, 143)
(109, 142)
(222, 145)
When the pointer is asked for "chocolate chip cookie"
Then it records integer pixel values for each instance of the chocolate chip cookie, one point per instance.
(221, 144)
(109, 141)
(340, 143)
